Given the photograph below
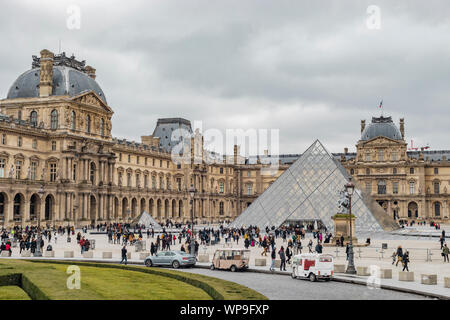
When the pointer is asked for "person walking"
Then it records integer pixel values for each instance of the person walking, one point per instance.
(124, 255)
(273, 256)
(405, 261)
(288, 255)
(310, 244)
(399, 255)
(445, 252)
(282, 255)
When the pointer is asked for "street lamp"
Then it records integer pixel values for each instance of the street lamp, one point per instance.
(38, 252)
(350, 188)
(192, 193)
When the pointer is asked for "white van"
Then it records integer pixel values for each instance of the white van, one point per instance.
(313, 266)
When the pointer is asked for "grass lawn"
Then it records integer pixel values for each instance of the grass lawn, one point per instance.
(113, 282)
(13, 293)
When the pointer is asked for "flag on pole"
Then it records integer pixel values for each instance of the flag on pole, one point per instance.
(381, 104)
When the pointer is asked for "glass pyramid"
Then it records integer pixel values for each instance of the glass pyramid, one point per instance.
(307, 191)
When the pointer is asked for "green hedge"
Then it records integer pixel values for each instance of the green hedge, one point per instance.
(32, 290)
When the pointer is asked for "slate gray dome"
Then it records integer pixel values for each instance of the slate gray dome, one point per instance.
(381, 127)
(66, 81)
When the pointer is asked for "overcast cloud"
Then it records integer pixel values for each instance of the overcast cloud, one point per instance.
(309, 68)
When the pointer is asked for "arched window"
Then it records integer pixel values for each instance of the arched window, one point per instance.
(381, 187)
(88, 123)
(54, 119)
(92, 173)
(102, 127)
(73, 120)
(33, 119)
(437, 209)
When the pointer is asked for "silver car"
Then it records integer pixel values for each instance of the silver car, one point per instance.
(175, 259)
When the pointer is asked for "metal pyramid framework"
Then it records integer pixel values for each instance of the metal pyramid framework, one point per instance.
(308, 191)
(146, 219)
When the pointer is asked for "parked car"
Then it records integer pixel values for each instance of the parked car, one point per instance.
(175, 259)
(231, 259)
(313, 266)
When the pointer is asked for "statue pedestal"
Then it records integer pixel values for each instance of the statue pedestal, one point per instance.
(342, 228)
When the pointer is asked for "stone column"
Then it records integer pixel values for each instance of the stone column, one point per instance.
(26, 212)
(100, 211)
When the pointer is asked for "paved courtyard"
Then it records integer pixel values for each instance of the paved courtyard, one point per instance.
(419, 247)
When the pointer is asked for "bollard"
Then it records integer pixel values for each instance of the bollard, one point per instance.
(339, 268)
(6, 253)
(143, 255)
(88, 254)
(128, 255)
(405, 276)
(430, 279)
(203, 258)
(260, 262)
(25, 253)
(446, 282)
(386, 273)
(49, 254)
(107, 255)
(362, 271)
(68, 254)
(277, 263)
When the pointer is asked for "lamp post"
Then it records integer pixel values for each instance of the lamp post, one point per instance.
(38, 252)
(192, 193)
(350, 188)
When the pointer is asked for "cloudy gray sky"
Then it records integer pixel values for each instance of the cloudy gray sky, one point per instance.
(312, 69)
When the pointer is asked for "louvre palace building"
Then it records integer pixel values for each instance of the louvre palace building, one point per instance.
(59, 163)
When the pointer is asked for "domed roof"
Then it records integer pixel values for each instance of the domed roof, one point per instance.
(381, 127)
(66, 81)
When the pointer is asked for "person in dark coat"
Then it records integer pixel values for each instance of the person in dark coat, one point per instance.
(405, 261)
(399, 255)
(319, 248)
(282, 255)
(124, 255)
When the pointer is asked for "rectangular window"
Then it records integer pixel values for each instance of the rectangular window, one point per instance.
(395, 187)
(52, 172)
(34, 144)
(2, 168)
(3, 138)
(33, 170)
(436, 171)
(249, 189)
(394, 156)
(368, 156)
(53, 145)
(368, 187)
(221, 170)
(411, 188)
(145, 161)
(145, 179)
(138, 181)
(249, 173)
(153, 162)
(167, 164)
(436, 187)
(129, 158)
(137, 159)
(380, 155)
(120, 157)
(19, 141)
(411, 170)
(18, 169)
(160, 163)
(221, 189)
(74, 173)
(179, 184)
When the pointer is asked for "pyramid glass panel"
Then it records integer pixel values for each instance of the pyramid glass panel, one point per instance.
(307, 191)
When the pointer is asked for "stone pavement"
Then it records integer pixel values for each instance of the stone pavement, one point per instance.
(420, 249)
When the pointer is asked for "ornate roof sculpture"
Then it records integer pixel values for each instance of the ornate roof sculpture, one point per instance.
(309, 190)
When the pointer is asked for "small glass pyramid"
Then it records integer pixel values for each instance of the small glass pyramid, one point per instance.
(307, 191)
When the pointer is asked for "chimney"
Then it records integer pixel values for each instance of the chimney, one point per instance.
(266, 153)
(402, 127)
(90, 72)
(363, 125)
(236, 153)
(46, 81)
(345, 150)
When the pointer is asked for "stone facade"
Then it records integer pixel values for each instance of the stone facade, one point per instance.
(60, 163)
